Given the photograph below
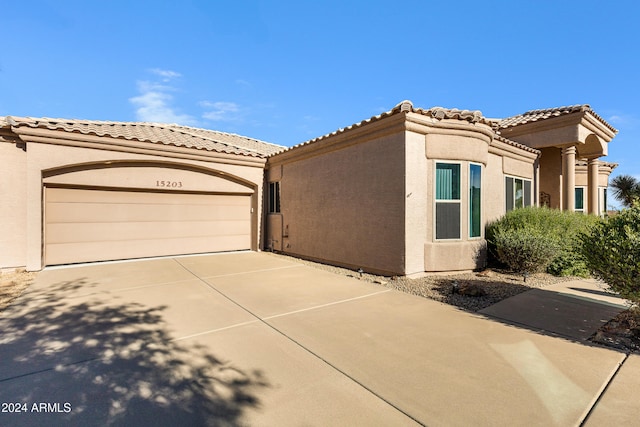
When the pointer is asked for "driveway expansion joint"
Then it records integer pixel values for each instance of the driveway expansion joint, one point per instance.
(308, 350)
(602, 391)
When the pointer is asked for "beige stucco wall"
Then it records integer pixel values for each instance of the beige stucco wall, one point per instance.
(361, 200)
(494, 206)
(551, 175)
(463, 148)
(539, 137)
(417, 204)
(582, 180)
(582, 176)
(13, 207)
(345, 206)
(41, 157)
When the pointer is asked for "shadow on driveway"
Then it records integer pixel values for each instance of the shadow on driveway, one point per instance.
(572, 317)
(93, 361)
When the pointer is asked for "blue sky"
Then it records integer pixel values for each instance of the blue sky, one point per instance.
(286, 72)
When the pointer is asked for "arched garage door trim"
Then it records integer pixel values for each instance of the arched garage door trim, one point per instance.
(114, 164)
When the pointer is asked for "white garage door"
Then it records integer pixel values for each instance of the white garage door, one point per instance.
(98, 225)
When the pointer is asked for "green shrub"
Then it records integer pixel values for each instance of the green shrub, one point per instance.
(612, 252)
(550, 225)
(525, 249)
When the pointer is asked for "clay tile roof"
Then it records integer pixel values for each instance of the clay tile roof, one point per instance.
(516, 144)
(157, 133)
(602, 163)
(438, 113)
(537, 115)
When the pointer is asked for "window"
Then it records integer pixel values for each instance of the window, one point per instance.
(602, 200)
(447, 201)
(274, 197)
(475, 200)
(579, 199)
(517, 193)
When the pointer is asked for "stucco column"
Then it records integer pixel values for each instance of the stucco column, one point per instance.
(568, 178)
(592, 185)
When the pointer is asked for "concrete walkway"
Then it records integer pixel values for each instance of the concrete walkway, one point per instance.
(255, 339)
(574, 309)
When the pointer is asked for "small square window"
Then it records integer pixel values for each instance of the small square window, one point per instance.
(517, 193)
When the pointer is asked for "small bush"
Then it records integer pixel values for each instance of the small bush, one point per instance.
(525, 249)
(612, 252)
(549, 225)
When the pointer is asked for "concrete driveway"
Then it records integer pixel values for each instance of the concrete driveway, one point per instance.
(257, 339)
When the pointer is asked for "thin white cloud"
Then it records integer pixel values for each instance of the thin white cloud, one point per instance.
(624, 120)
(145, 86)
(167, 75)
(154, 104)
(221, 111)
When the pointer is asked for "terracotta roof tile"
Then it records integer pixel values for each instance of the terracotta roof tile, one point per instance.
(157, 133)
(602, 163)
(516, 144)
(537, 115)
(439, 113)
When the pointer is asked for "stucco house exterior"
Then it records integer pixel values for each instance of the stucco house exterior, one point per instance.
(402, 193)
(411, 190)
(77, 191)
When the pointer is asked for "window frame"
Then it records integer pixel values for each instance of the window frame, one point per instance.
(452, 201)
(514, 189)
(470, 204)
(273, 203)
(583, 198)
(602, 200)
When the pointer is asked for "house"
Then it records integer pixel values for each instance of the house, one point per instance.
(77, 191)
(405, 192)
(410, 191)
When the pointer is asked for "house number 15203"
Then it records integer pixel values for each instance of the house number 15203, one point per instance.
(169, 184)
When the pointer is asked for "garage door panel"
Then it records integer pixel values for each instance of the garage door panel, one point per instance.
(110, 212)
(61, 253)
(93, 225)
(75, 195)
(86, 232)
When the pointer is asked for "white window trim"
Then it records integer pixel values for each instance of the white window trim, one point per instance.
(602, 200)
(584, 199)
(481, 236)
(436, 200)
(504, 201)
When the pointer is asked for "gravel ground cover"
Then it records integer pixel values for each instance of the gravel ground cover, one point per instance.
(12, 284)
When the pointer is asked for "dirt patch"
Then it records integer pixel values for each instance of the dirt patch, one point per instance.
(12, 285)
(621, 332)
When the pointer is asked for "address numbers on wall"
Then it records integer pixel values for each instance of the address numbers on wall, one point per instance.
(169, 184)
